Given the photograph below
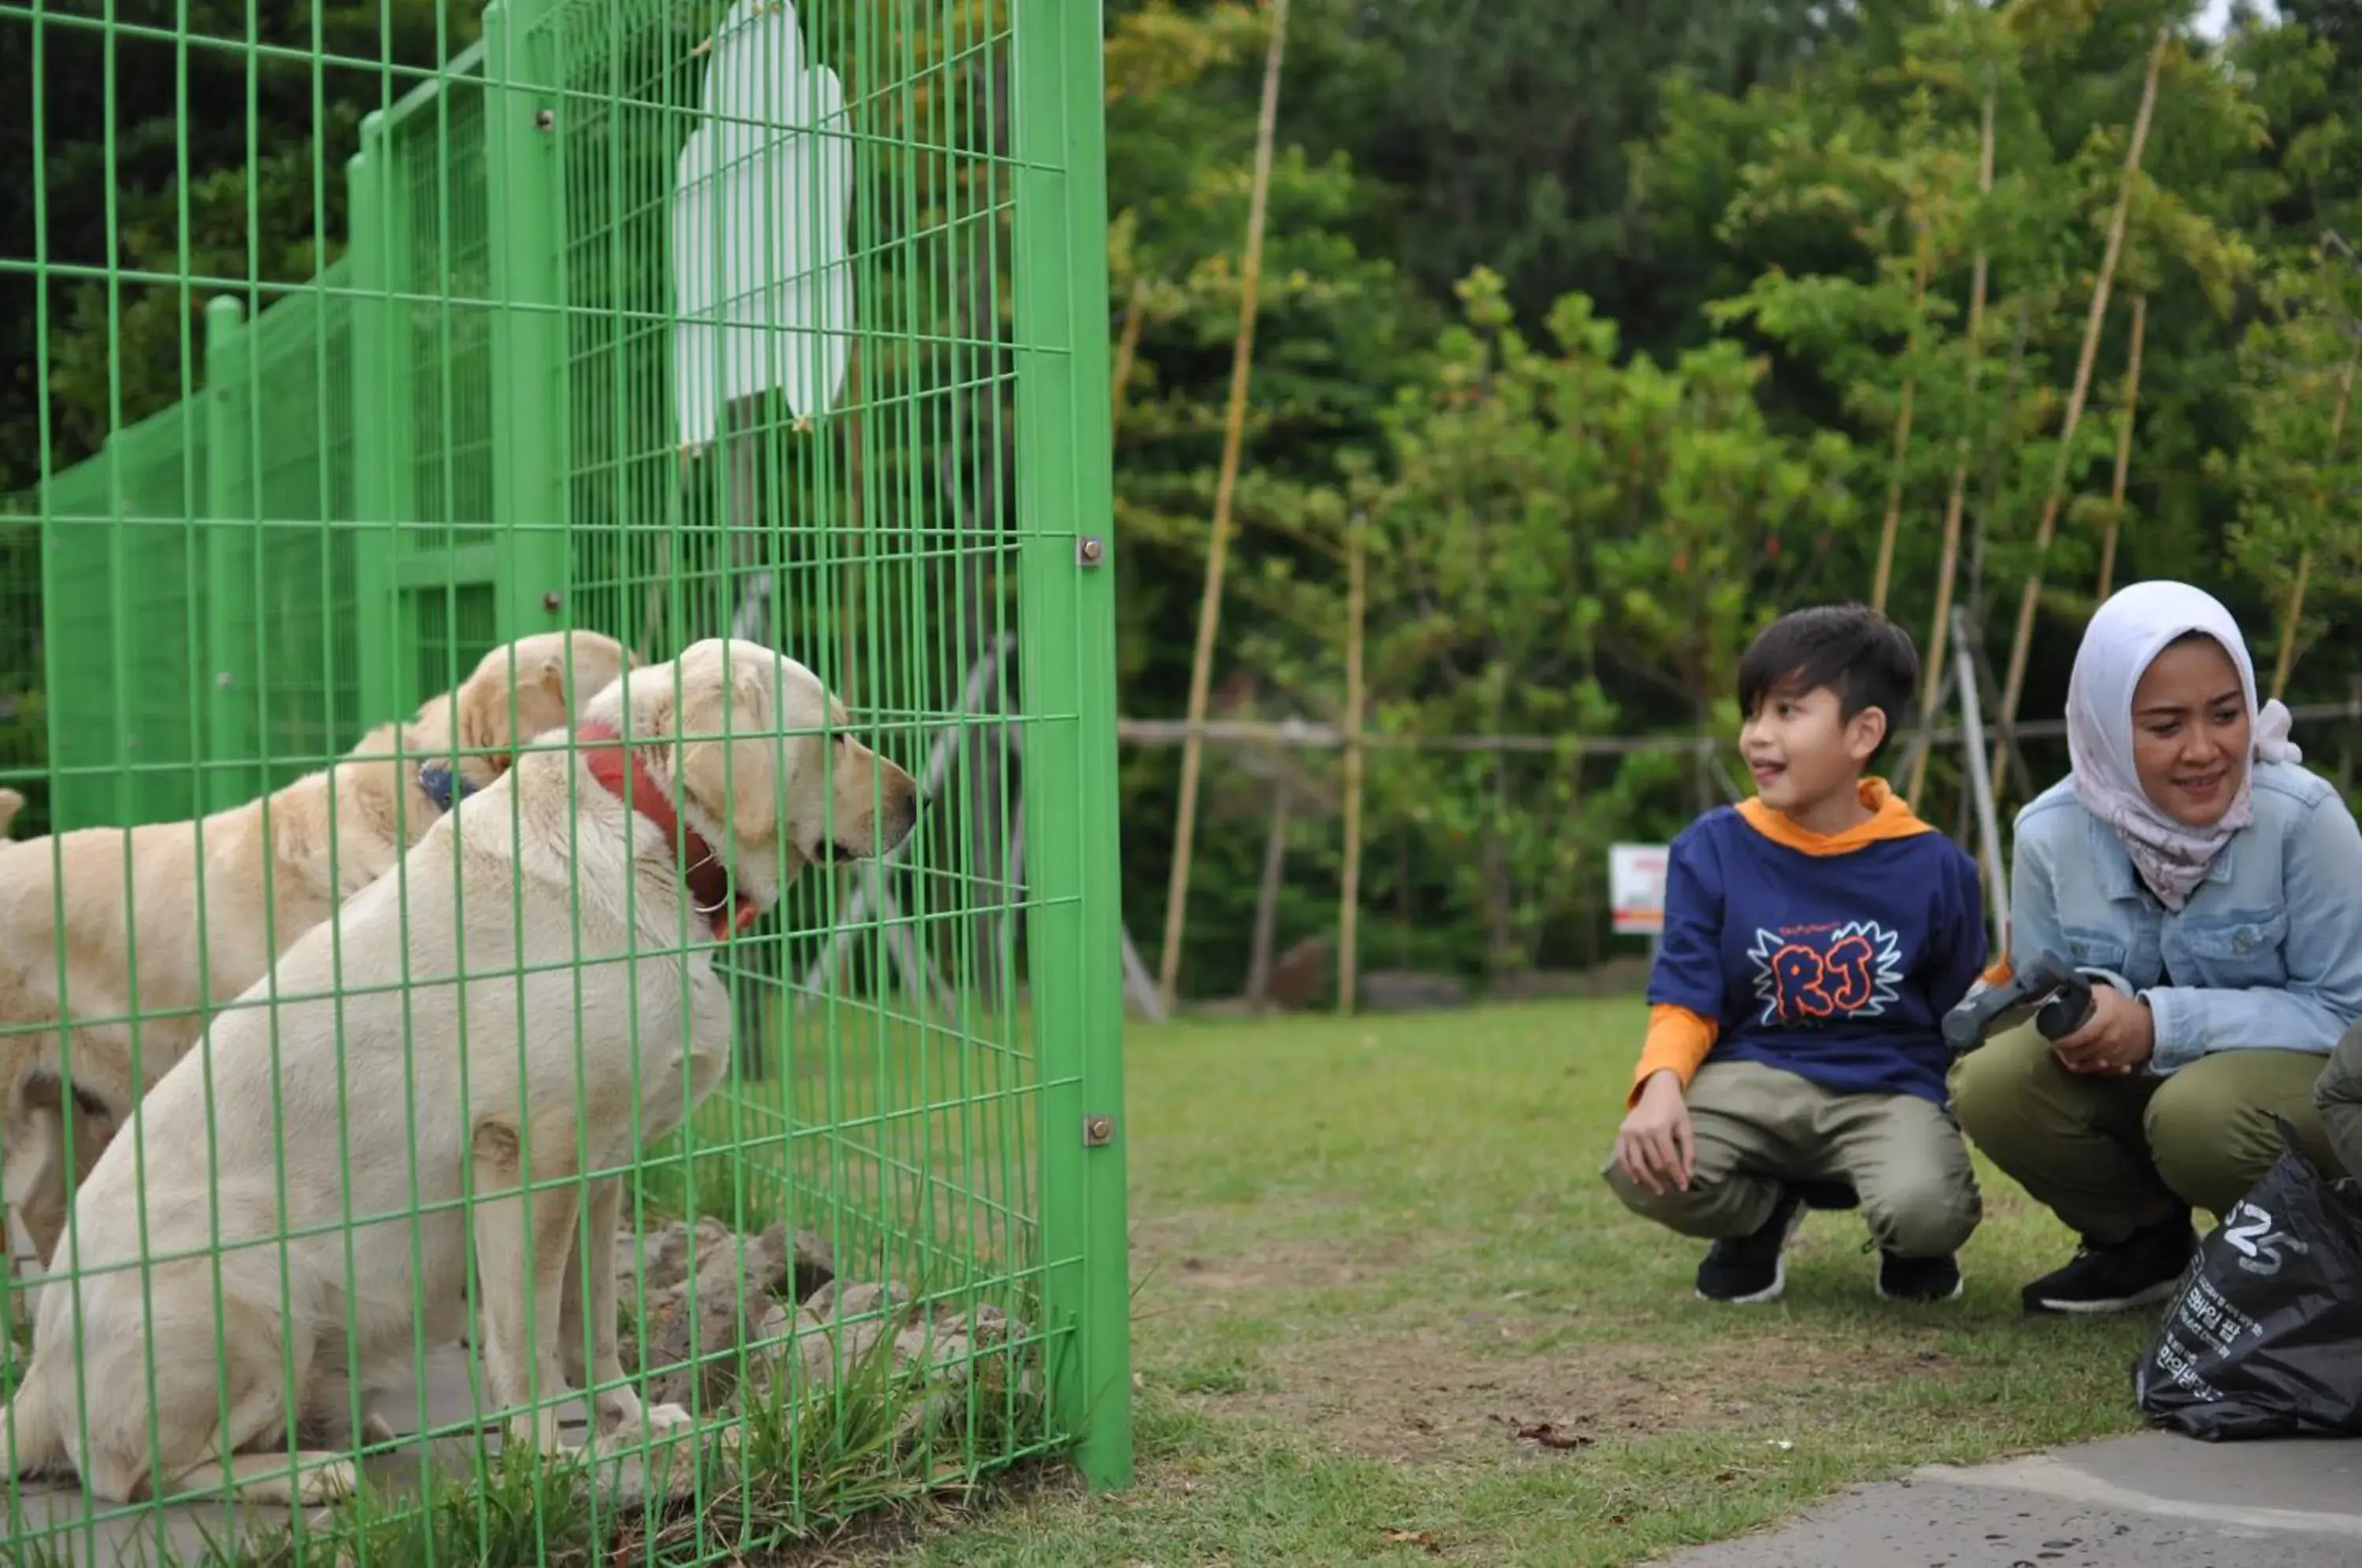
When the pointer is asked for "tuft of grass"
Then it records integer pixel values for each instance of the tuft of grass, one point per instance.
(800, 1463)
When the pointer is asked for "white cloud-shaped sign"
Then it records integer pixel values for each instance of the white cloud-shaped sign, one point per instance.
(763, 294)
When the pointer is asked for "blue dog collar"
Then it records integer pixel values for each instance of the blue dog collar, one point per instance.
(436, 781)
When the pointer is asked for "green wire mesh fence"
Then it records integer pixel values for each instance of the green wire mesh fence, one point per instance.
(644, 323)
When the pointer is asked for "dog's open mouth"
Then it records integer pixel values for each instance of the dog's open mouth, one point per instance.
(712, 893)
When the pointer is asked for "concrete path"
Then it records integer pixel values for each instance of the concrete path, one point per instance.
(2151, 1501)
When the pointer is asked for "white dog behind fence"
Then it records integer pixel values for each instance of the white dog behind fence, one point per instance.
(586, 1015)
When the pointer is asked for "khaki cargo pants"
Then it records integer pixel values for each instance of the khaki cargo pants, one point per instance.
(2110, 1155)
(1760, 1128)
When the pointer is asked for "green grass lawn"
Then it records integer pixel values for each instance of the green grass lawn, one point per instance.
(1385, 1309)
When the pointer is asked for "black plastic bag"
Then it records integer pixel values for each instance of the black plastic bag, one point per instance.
(2264, 1339)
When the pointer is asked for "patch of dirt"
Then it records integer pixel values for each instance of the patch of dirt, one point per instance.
(1427, 1393)
(1308, 1265)
(1427, 1398)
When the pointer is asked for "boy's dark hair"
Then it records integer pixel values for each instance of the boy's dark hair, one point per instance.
(1865, 658)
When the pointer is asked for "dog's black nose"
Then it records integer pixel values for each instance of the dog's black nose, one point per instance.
(904, 818)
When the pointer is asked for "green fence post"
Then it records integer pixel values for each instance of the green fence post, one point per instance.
(380, 419)
(228, 744)
(1065, 629)
(528, 332)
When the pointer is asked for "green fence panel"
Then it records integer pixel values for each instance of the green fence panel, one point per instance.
(86, 783)
(280, 655)
(122, 609)
(435, 250)
(673, 321)
(159, 591)
(876, 540)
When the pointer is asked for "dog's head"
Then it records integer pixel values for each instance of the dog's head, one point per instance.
(517, 691)
(760, 760)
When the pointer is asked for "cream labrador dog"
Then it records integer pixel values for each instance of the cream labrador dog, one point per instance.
(589, 1019)
(163, 920)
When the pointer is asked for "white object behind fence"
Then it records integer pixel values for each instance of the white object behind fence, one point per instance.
(762, 288)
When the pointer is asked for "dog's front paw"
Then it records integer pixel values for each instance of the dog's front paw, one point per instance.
(619, 1408)
(536, 1430)
(330, 1483)
(666, 1419)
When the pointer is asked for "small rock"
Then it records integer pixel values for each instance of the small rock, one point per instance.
(738, 1279)
(777, 1324)
(838, 1300)
(770, 1261)
(824, 1349)
(810, 1262)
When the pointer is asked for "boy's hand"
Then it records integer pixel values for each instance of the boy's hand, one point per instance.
(1655, 1146)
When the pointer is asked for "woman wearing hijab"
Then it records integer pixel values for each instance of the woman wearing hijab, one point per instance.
(2215, 888)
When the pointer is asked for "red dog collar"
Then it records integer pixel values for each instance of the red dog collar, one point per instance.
(619, 768)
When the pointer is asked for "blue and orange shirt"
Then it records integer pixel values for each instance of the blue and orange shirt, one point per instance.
(1834, 956)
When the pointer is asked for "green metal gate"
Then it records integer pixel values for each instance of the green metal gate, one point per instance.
(467, 429)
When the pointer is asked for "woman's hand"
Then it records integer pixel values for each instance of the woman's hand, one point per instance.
(2116, 1040)
(1655, 1146)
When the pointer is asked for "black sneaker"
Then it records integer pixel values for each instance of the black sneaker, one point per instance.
(2144, 1267)
(1749, 1268)
(1919, 1279)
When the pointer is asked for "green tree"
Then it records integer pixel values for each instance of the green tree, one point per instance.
(166, 163)
(1550, 525)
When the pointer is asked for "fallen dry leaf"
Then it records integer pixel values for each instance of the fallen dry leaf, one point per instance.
(1549, 1436)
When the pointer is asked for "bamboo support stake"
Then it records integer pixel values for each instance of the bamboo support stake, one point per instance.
(2288, 623)
(1926, 264)
(1127, 349)
(2123, 450)
(1349, 897)
(1209, 605)
(1947, 566)
(2022, 642)
(1274, 867)
(2295, 617)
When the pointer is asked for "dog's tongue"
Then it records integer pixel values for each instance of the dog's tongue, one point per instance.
(711, 891)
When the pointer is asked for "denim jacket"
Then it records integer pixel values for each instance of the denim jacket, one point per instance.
(2268, 952)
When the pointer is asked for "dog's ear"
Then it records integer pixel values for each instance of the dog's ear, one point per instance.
(737, 779)
(489, 720)
(11, 803)
(495, 716)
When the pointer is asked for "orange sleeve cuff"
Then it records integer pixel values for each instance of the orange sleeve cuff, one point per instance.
(1677, 1039)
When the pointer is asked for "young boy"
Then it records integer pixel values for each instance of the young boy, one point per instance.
(1813, 938)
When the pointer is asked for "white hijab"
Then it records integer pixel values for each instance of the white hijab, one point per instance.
(2126, 633)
